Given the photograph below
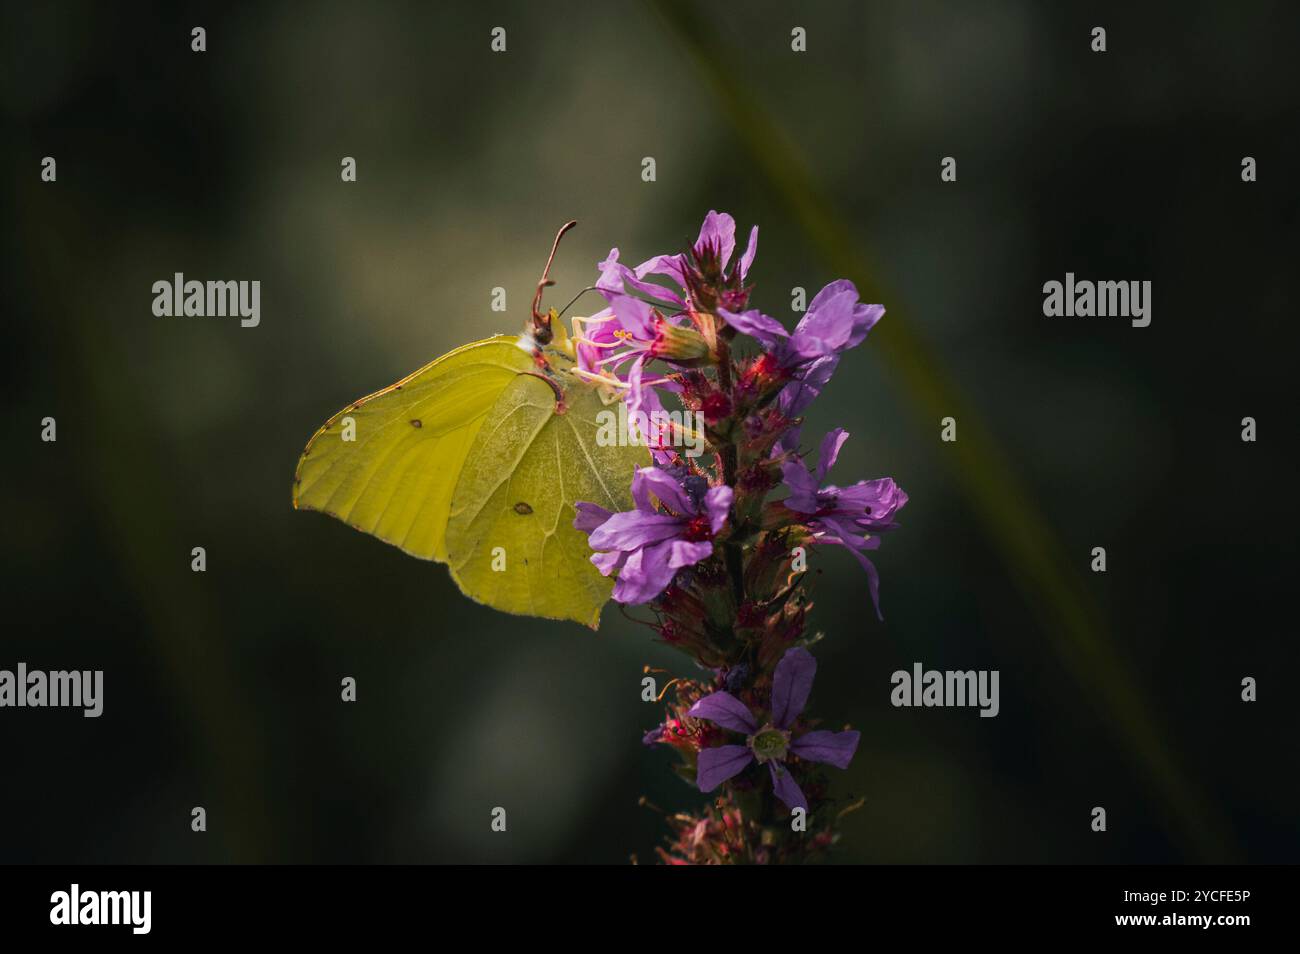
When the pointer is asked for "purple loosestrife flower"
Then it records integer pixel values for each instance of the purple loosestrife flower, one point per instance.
(631, 329)
(636, 330)
(648, 545)
(617, 279)
(848, 516)
(705, 273)
(605, 330)
(835, 322)
(770, 742)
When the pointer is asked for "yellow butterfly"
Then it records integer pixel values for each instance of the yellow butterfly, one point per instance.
(476, 461)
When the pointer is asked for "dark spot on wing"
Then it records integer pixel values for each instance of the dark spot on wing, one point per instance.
(523, 509)
(416, 423)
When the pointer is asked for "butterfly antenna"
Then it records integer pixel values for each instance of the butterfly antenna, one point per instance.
(542, 323)
(589, 288)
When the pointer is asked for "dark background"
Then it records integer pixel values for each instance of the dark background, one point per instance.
(222, 689)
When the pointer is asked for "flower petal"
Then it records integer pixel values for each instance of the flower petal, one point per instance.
(833, 748)
(670, 266)
(635, 316)
(755, 324)
(786, 788)
(589, 516)
(803, 489)
(835, 322)
(611, 275)
(630, 529)
(803, 390)
(718, 231)
(639, 396)
(597, 330)
(751, 250)
(664, 486)
(830, 450)
(649, 404)
(719, 764)
(610, 562)
(644, 575)
(841, 529)
(616, 279)
(872, 504)
(727, 711)
(833, 291)
(717, 505)
(791, 684)
(687, 552)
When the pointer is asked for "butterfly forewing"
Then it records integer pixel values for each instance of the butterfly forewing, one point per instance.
(388, 463)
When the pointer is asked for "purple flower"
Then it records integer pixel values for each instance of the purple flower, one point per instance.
(835, 322)
(636, 331)
(704, 273)
(770, 741)
(617, 279)
(614, 345)
(851, 517)
(632, 330)
(803, 390)
(648, 545)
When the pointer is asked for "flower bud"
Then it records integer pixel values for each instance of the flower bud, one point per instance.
(678, 343)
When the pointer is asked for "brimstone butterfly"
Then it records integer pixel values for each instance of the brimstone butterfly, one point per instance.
(476, 460)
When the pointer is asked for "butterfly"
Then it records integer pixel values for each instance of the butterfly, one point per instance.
(476, 460)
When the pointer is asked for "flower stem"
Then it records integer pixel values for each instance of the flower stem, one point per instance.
(730, 550)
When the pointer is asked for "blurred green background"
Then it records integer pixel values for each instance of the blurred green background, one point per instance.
(222, 689)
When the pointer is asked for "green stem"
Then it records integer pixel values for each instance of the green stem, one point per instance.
(731, 552)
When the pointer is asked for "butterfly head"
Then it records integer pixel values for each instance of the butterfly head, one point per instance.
(544, 337)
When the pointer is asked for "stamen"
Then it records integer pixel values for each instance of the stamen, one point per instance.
(851, 808)
(666, 688)
(580, 323)
(599, 378)
(619, 358)
(598, 344)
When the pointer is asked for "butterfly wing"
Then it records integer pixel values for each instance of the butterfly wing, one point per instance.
(395, 477)
(510, 536)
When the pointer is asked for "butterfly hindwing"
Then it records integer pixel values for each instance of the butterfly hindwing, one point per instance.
(510, 535)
